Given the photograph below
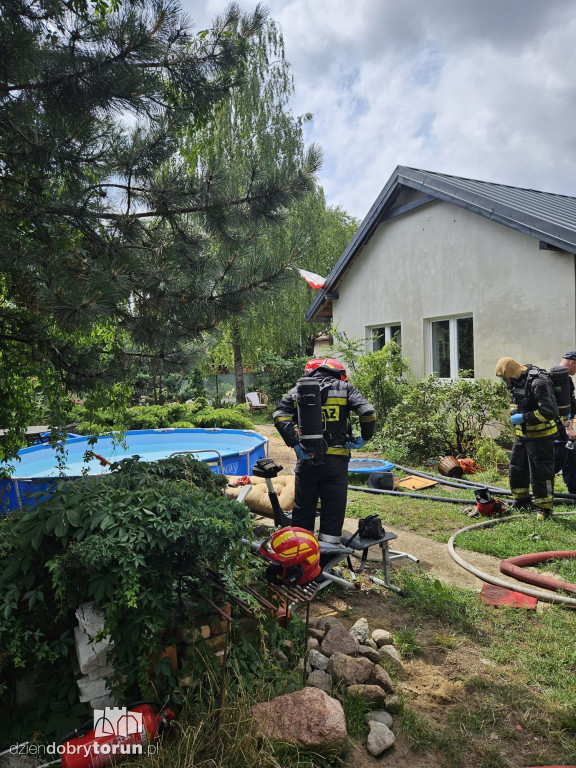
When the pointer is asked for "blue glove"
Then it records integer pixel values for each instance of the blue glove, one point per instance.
(517, 418)
(358, 442)
(301, 453)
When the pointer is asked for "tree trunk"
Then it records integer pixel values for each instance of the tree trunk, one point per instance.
(238, 367)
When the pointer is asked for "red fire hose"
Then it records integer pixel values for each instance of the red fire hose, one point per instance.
(514, 566)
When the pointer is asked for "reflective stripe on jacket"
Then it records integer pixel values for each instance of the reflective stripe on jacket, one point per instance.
(533, 396)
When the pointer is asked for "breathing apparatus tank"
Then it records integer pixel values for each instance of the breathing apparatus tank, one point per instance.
(561, 385)
(310, 426)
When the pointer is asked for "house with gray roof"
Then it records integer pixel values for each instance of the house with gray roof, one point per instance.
(461, 272)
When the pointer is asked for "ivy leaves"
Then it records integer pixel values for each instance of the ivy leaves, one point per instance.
(121, 541)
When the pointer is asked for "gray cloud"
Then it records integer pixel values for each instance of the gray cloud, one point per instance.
(479, 89)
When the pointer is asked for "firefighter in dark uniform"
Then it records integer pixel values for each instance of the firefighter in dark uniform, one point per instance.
(534, 413)
(565, 445)
(327, 481)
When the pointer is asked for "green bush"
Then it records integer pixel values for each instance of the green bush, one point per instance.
(437, 417)
(488, 454)
(178, 415)
(277, 375)
(131, 542)
(225, 418)
(378, 376)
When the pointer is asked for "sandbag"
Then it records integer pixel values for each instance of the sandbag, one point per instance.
(257, 500)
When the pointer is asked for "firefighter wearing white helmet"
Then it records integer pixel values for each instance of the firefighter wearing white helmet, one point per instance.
(534, 413)
(324, 475)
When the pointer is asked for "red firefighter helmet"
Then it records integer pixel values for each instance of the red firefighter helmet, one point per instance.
(311, 365)
(328, 365)
(295, 552)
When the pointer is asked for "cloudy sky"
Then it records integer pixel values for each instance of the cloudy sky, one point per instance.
(478, 88)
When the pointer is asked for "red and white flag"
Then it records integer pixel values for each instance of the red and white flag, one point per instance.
(312, 278)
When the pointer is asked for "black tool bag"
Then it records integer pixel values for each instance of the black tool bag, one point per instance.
(368, 528)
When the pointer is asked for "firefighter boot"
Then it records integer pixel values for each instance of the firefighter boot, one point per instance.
(522, 505)
(543, 514)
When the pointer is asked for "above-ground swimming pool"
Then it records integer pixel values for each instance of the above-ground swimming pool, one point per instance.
(231, 451)
(369, 466)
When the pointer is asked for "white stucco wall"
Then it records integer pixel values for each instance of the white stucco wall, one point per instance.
(440, 261)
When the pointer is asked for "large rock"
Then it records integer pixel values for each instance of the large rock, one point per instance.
(327, 622)
(320, 679)
(379, 716)
(382, 637)
(371, 694)
(317, 660)
(348, 670)
(380, 677)
(307, 718)
(317, 634)
(369, 652)
(360, 630)
(380, 738)
(390, 654)
(338, 640)
(392, 704)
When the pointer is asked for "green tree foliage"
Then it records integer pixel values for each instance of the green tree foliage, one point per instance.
(132, 542)
(254, 124)
(277, 375)
(378, 376)
(437, 417)
(108, 228)
(318, 234)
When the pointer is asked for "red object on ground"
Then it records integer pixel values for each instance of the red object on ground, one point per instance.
(514, 566)
(469, 466)
(493, 595)
(91, 751)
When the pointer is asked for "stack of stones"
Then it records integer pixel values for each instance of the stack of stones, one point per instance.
(352, 658)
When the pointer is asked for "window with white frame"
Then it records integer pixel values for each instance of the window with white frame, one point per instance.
(452, 346)
(384, 334)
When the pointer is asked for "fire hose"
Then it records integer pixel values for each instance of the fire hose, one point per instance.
(470, 484)
(544, 596)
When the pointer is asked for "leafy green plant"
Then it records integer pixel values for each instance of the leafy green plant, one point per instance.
(438, 417)
(225, 418)
(277, 375)
(378, 376)
(130, 542)
(175, 415)
(488, 454)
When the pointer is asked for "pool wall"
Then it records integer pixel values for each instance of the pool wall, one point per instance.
(233, 451)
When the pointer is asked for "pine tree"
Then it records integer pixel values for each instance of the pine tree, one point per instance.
(116, 243)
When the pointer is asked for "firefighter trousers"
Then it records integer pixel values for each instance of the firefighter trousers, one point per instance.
(565, 459)
(532, 464)
(327, 483)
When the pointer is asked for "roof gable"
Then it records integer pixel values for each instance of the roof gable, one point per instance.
(548, 217)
